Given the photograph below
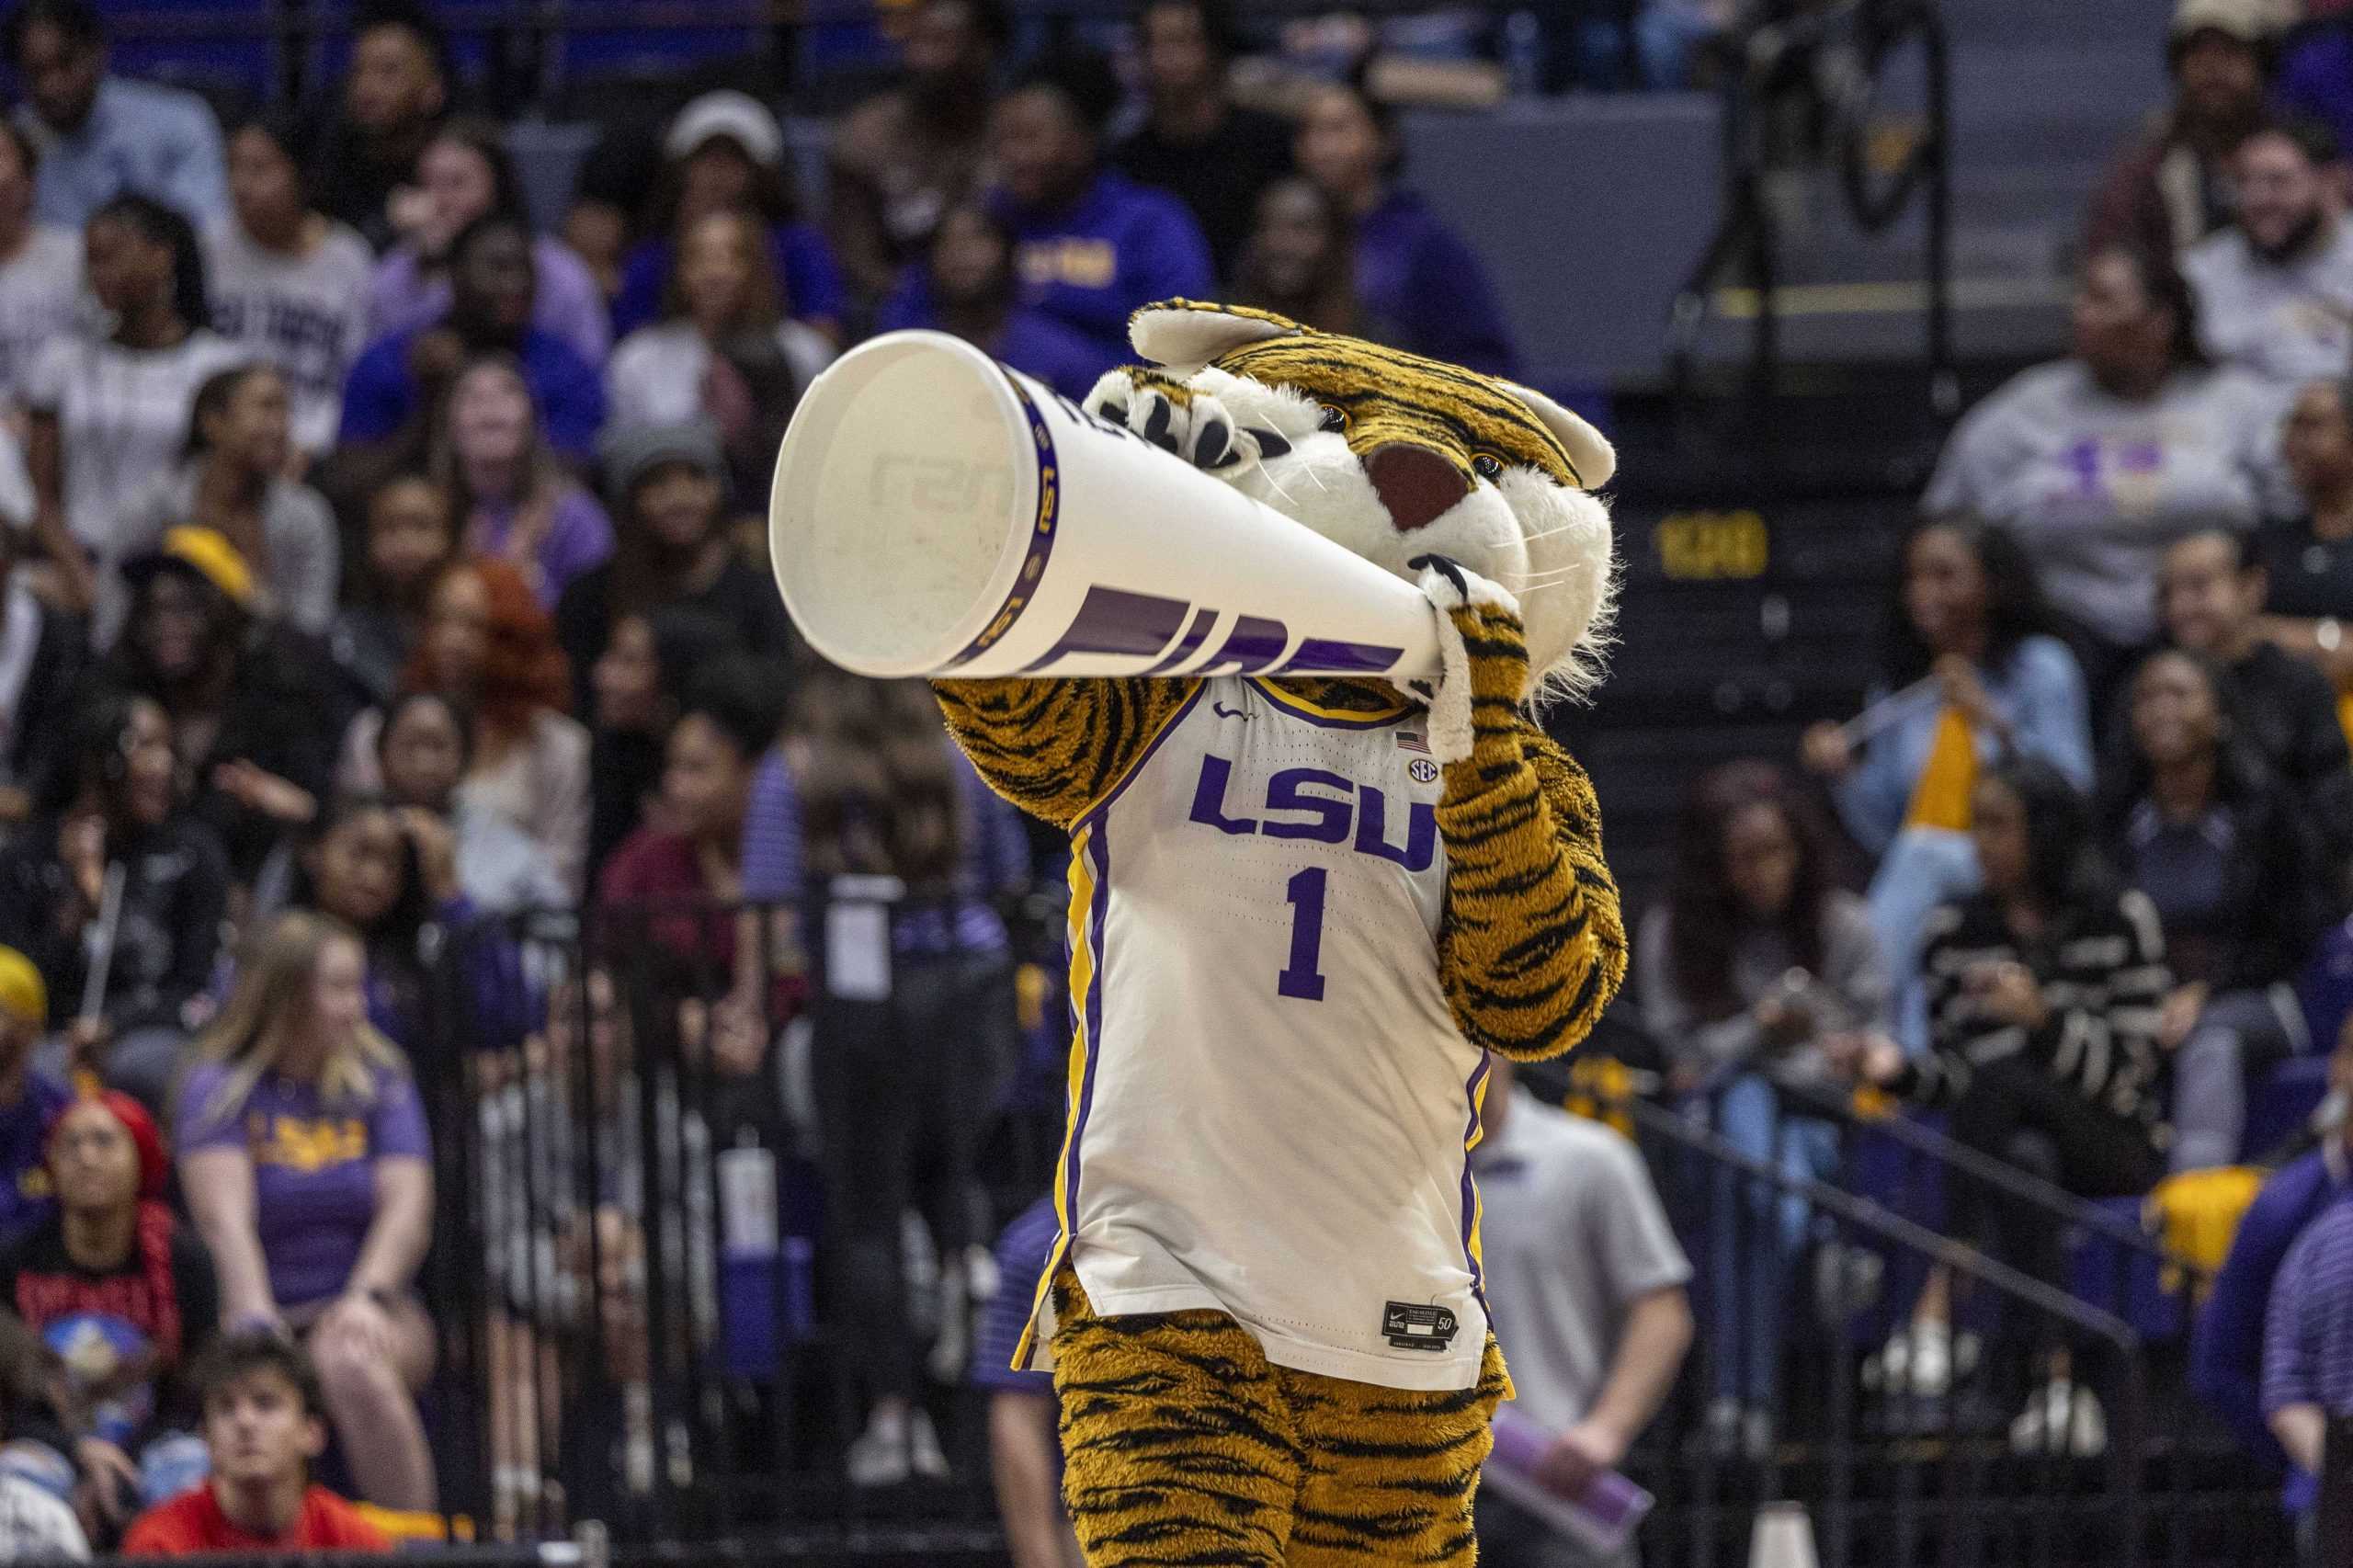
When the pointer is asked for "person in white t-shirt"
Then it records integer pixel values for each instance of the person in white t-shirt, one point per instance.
(109, 415)
(705, 360)
(1586, 1284)
(40, 270)
(288, 283)
(2275, 290)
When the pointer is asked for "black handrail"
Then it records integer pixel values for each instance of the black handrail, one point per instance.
(2064, 1207)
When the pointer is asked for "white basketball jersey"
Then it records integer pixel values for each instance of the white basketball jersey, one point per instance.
(1272, 1106)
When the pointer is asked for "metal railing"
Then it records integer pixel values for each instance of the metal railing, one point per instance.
(1820, 67)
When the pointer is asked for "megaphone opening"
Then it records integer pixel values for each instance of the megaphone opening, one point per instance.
(891, 522)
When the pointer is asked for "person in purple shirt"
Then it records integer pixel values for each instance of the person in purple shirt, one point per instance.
(1412, 271)
(399, 379)
(1090, 246)
(725, 150)
(2308, 1349)
(305, 1161)
(2226, 1349)
(967, 287)
(1025, 1454)
(516, 500)
(465, 173)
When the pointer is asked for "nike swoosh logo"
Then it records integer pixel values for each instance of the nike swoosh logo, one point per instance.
(1222, 711)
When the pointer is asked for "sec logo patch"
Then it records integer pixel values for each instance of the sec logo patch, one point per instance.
(1422, 770)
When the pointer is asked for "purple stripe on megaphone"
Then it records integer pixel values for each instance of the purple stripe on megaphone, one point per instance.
(1115, 621)
(1042, 532)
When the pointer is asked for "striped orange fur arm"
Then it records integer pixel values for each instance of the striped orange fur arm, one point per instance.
(1056, 747)
(1534, 944)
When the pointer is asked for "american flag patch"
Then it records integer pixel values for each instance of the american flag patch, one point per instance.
(1408, 741)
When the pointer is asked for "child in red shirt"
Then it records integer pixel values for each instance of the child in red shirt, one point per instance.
(263, 1425)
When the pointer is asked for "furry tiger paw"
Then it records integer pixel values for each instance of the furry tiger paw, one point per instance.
(1173, 416)
(1483, 652)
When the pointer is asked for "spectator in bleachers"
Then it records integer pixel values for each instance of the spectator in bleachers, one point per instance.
(464, 174)
(265, 1421)
(873, 787)
(489, 645)
(1025, 1448)
(1195, 140)
(2173, 186)
(101, 136)
(1090, 246)
(1588, 1283)
(123, 1292)
(2227, 1354)
(2043, 995)
(2275, 290)
(423, 752)
(393, 96)
(399, 383)
(412, 534)
(1754, 960)
(638, 688)
(2308, 1351)
(110, 415)
(905, 158)
(725, 151)
(2226, 856)
(1413, 270)
(1969, 672)
(669, 484)
(604, 220)
(29, 1099)
(43, 649)
(118, 820)
(968, 287)
(305, 1159)
(1300, 261)
(386, 873)
(289, 284)
(2100, 460)
(40, 272)
(727, 351)
(2308, 560)
(235, 482)
(2211, 594)
(733, 714)
(514, 500)
(253, 708)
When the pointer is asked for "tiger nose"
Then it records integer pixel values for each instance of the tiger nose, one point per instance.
(1416, 484)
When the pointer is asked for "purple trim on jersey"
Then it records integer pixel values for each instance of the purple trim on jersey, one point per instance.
(1471, 1086)
(1095, 813)
(1285, 701)
(1042, 531)
(1098, 851)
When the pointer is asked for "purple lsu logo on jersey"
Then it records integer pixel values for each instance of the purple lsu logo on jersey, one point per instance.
(1319, 807)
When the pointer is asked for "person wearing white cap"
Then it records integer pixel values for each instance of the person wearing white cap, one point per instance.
(726, 150)
(2172, 187)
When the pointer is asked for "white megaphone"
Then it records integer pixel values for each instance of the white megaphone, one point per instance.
(937, 513)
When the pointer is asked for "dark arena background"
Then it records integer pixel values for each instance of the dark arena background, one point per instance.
(389, 396)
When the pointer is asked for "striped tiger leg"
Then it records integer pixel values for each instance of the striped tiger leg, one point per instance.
(1177, 1448)
(1391, 1472)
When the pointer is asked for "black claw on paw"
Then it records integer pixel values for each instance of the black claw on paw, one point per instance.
(1444, 565)
(1111, 411)
(1270, 445)
(1155, 428)
(1209, 449)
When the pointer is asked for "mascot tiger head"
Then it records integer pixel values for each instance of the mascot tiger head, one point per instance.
(1394, 457)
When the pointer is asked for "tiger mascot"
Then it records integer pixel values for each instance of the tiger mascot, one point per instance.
(1303, 912)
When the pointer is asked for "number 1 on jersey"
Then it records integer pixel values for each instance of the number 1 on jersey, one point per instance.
(1298, 978)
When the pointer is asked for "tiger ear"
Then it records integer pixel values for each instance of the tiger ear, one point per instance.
(1591, 453)
(1190, 332)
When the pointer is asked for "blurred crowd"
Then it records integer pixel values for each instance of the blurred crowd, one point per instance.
(378, 564)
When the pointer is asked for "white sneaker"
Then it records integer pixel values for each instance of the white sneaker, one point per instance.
(963, 1290)
(893, 1447)
(1923, 1359)
(2061, 1419)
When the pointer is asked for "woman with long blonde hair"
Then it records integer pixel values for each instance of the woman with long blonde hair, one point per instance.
(304, 1157)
